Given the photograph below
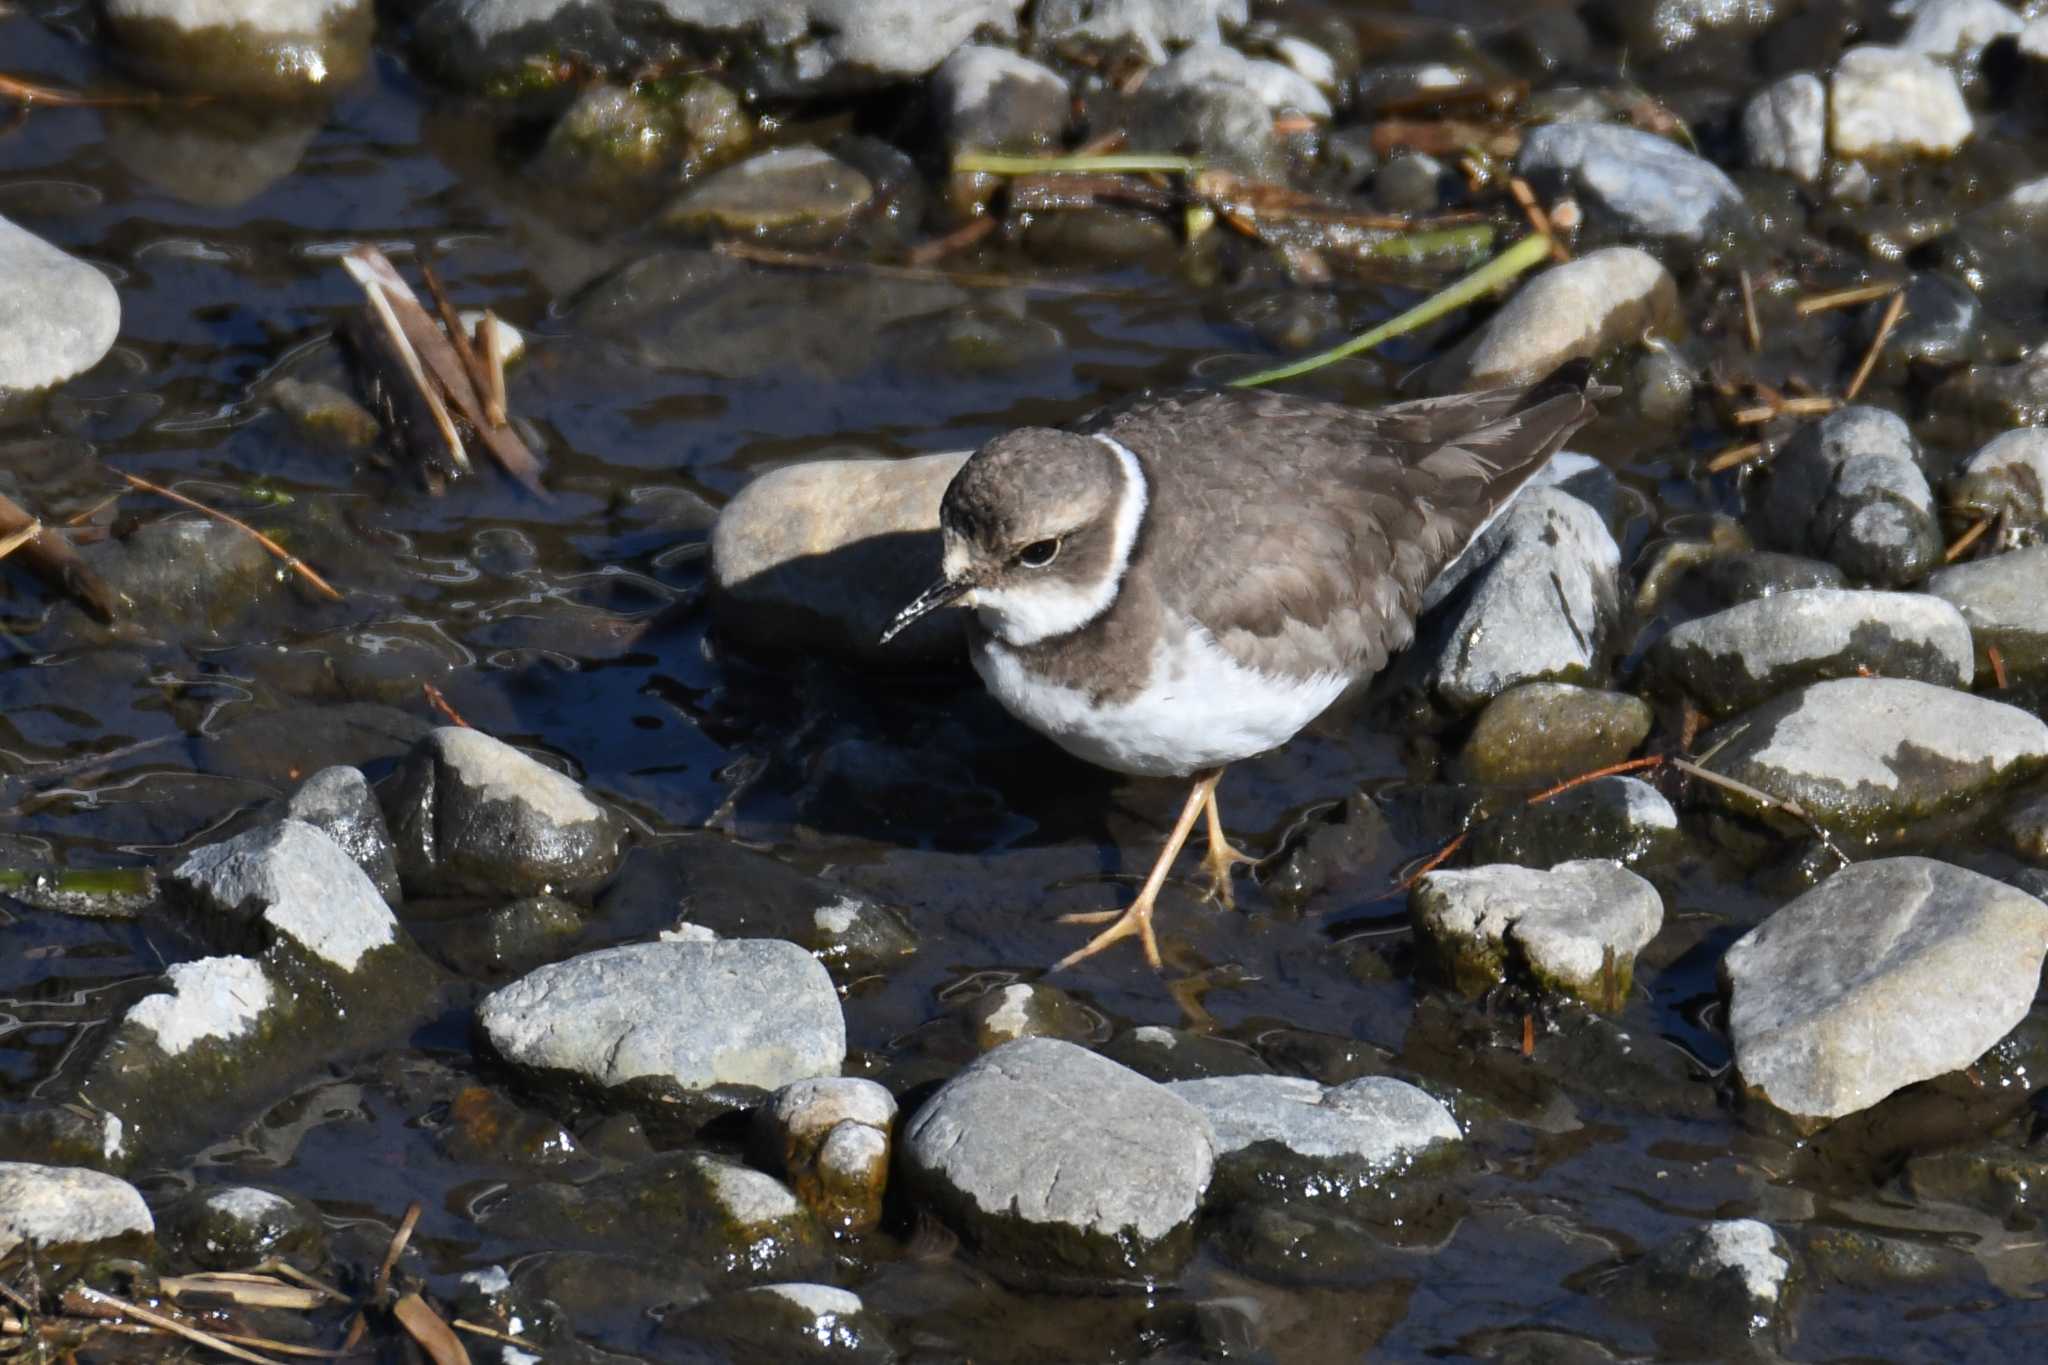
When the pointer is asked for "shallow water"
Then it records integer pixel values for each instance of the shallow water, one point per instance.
(576, 628)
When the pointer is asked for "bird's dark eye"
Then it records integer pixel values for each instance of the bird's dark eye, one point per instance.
(1038, 554)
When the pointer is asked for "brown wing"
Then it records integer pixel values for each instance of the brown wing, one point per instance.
(1351, 512)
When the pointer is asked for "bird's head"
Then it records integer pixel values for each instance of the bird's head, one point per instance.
(1037, 527)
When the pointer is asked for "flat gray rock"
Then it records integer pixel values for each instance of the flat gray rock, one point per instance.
(291, 880)
(787, 188)
(2004, 598)
(1585, 308)
(1640, 184)
(1539, 607)
(677, 1016)
(1785, 127)
(1575, 928)
(1888, 973)
(62, 315)
(1858, 753)
(49, 1207)
(1292, 1137)
(1748, 653)
(338, 802)
(1887, 104)
(1061, 1166)
(474, 816)
(823, 555)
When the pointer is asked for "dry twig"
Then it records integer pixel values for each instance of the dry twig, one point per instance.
(283, 556)
(1893, 311)
(1749, 322)
(98, 1299)
(1844, 298)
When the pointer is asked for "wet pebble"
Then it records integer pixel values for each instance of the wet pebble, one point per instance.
(735, 892)
(702, 1025)
(1620, 818)
(274, 48)
(185, 575)
(822, 555)
(832, 1138)
(2003, 1179)
(1888, 973)
(1540, 732)
(1288, 1138)
(1872, 752)
(788, 1322)
(1632, 183)
(1574, 929)
(1225, 124)
(1721, 1287)
(1785, 127)
(1586, 308)
(2002, 599)
(1886, 104)
(790, 193)
(1746, 654)
(338, 802)
(1175, 1054)
(1997, 397)
(1958, 31)
(2007, 476)
(1151, 26)
(471, 815)
(1060, 1166)
(1726, 580)
(1409, 183)
(62, 315)
(615, 129)
(507, 940)
(1280, 88)
(66, 1212)
(326, 412)
(1539, 609)
(287, 883)
(2025, 827)
(1849, 488)
(992, 99)
(1028, 1009)
(233, 1227)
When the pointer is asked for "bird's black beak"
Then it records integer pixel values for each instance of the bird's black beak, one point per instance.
(931, 599)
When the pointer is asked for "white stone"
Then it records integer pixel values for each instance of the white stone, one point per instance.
(1887, 104)
(214, 997)
(58, 315)
(66, 1205)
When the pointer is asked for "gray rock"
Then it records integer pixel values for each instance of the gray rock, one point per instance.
(831, 1138)
(1575, 929)
(2007, 477)
(290, 881)
(1541, 732)
(276, 48)
(1849, 487)
(1888, 973)
(789, 191)
(1542, 599)
(1864, 753)
(1281, 89)
(674, 1020)
(1620, 818)
(1290, 1136)
(1028, 1009)
(1409, 183)
(1151, 26)
(1725, 1285)
(2025, 828)
(1886, 104)
(232, 1227)
(1174, 1054)
(1749, 653)
(1632, 183)
(799, 1323)
(472, 815)
(1594, 304)
(993, 99)
(1223, 124)
(1785, 127)
(2002, 599)
(822, 555)
(1061, 1166)
(338, 802)
(1958, 31)
(62, 315)
(185, 575)
(1997, 396)
(69, 1211)
(612, 131)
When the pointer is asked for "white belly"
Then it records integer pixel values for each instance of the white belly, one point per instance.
(1200, 709)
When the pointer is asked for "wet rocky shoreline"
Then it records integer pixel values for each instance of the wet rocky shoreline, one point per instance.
(1648, 965)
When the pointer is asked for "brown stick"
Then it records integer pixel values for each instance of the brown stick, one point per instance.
(284, 556)
(1789, 407)
(399, 1237)
(30, 92)
(425, 1326)
(441, 703)
(1968, 538)
(495, 405)
(1893, 311)
(1749, 322)
(1997, 662)
(1844, 298)
(458, 336)
(51, 558)
(102, 1300)
(1538, 219)
(1735, 455)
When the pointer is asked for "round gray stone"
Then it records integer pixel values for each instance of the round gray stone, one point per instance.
(50, 1207)
(1888, 973)
(1887, 104)
(1320, 1139)
(2004, 598)
(1575, 928)
(1641, 184)
(1061, 1166)
(679, 1016)
(62, 315)
(1583, 309)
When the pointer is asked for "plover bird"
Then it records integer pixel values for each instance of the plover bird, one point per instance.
(1190, 580)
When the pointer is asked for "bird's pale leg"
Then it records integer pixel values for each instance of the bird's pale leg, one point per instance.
(1138, 919)
(1221, 857)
